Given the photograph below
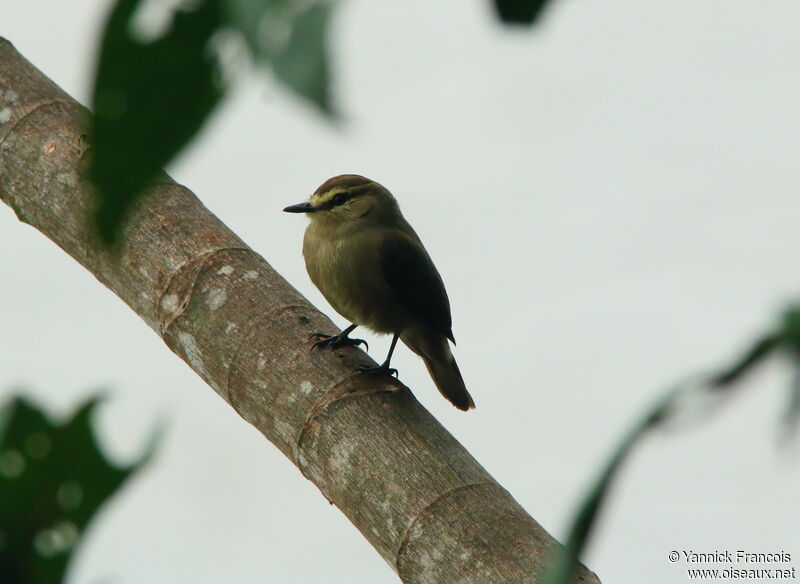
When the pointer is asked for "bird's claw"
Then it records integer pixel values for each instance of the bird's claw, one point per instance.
(334, 341)
(377, 370)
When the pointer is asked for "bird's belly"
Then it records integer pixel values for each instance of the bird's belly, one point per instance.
(351, 279)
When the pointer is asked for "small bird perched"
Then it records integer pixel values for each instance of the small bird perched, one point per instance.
(373, 269)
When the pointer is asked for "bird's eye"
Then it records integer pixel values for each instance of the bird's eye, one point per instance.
(340, 198)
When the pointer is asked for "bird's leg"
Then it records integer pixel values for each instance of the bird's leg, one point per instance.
(383, 368)
(340, 340)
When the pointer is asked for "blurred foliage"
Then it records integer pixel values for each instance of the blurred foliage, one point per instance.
(290, 37)
(687, 398)
(163, 68)
(150, 98)
(159, 77)
(519, 11)
(53, 478)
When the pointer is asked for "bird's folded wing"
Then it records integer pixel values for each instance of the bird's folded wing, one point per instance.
(413, 279)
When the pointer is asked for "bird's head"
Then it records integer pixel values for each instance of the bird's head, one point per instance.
(348, 198)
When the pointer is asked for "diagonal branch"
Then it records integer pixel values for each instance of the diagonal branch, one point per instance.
(431, 511)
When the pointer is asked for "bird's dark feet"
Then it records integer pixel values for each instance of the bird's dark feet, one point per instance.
(382, 369)
(333, 341)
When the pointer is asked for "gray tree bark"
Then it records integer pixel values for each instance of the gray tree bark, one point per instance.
(431, 511)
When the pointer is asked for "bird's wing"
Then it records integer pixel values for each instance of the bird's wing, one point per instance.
(416, 284)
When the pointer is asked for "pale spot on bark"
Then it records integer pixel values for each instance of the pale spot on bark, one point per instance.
(225, 271)
(68, 179)
(170, 303)
(428, 562)
(192, 352)
(340, 456)
(306, 387)
(289, 398)
(216, 298)
(284, 430)
(5, 115)
(11, 96)
(230, 327)
(250, 275)
(387, 511)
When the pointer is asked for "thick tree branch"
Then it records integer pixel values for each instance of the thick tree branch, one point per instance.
(431, 511)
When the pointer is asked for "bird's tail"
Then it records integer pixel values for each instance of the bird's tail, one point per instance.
(448, 380)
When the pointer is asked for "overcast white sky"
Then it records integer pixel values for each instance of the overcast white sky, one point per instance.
(612, 201)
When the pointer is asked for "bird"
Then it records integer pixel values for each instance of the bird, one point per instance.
(371, 267)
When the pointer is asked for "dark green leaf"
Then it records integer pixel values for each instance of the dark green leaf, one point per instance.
(760, 350)
(291, 37)
(519, 11)
(151, 96)
(790, 330)
(303, 64)
(687, 396)
(790, 337)
(791, 418)
(565, 563)
(53, 478)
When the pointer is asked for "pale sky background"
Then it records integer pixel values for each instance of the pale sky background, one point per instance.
(612, 201)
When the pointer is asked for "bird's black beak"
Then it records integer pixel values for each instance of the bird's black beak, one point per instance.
(300, 208)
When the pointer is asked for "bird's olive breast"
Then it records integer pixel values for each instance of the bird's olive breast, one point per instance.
(346, 267)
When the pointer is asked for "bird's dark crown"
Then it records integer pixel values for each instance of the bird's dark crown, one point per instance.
(341, 183)
(340, 189)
